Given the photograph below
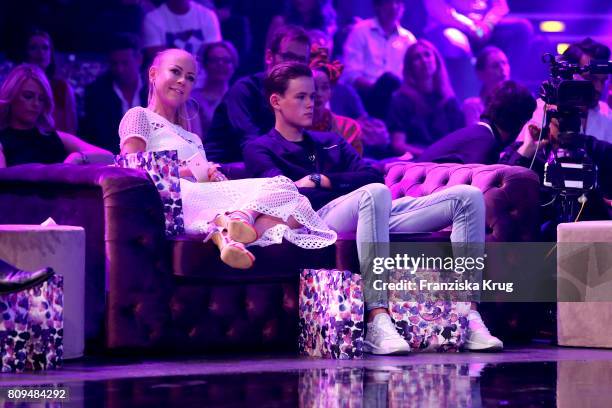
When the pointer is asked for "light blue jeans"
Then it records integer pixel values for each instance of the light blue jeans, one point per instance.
(368, 215)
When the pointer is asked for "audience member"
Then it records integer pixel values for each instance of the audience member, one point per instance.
(236, 29)
(114, 93)
(492, 68)
(353, 201)
(232, 213)
(326, 76)
(27, 129)
(374, 53)
(425, 108)
(243, 114)
(460, 28)
(308, 14)
(510, 107)
(345, 101)
(39, 51)
(598, 120)
(180, 24)
(219, 60)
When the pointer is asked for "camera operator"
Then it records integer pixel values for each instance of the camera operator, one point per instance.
(598, 204)
(598, 121)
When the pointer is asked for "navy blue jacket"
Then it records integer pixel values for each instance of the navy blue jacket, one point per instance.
(321, 152)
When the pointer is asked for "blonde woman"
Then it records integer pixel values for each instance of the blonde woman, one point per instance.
(231, 213)
(27, 128)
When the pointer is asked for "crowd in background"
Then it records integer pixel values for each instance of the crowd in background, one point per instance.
(388, 92)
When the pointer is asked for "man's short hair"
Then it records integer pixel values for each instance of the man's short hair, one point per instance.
(510, 106)
(588, 46)
(123, 41)
(277, 80)
(288, 33)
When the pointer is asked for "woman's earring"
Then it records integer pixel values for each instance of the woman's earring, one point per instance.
(196, 112)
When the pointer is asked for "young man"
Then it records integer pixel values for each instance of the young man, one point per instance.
(114, 93)
(352, 200)
(374, 53)
(243, 114)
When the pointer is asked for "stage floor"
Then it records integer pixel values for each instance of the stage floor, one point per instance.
(526, 376)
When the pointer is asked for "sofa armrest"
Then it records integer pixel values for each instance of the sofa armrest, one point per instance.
(511, 193)
(126, 250)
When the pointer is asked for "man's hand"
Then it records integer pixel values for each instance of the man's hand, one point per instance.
(307, 182)
(530, 143)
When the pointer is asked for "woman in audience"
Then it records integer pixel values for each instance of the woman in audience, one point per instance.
(39, 51)
(231, 213)
(219, 60)
(326, 76)
(27, 130)
(425, 108)
(309, 14)
(492, 68)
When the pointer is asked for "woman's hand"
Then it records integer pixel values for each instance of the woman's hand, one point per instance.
(76, 158)
(214, 174)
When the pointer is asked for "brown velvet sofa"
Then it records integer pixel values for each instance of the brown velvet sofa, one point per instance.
(147, 293)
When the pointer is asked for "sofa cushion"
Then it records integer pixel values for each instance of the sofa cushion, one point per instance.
(511, 193)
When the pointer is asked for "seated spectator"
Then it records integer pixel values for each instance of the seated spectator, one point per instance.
(598, 120)
(374, 53)
(219, 60)
(308, 14)
(326, 76)
(492, 68)
(39, 51)
(236, 29)
(510, 107)
(27, 129)
(243, 113)
(425, 108)
(352, 200)
(114, 93)
(460, 28)
(345, 101)
(179, 24)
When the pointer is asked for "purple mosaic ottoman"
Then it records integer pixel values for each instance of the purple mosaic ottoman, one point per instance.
(427, 320)
(31, 327)
(331, 314)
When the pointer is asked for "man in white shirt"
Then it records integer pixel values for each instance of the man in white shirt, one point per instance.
(598, 122)
(180, 24)
(374, 53)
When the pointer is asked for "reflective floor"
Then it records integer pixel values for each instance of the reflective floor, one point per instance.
(525, 377)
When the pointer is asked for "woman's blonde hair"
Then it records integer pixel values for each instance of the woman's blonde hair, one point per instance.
(182, 118)
(441, 81)
(12, 86)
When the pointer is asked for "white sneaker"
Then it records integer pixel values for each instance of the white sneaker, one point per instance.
(479, 338)
(382, 338)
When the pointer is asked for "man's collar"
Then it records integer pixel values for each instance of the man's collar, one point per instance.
(376, 26)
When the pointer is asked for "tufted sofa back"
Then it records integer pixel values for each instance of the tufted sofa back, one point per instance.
(511, 193)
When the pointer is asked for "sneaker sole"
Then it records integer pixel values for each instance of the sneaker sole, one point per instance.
(484, 348)
(372, 349)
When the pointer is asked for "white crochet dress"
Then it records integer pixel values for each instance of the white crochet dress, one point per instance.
(276, 196)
